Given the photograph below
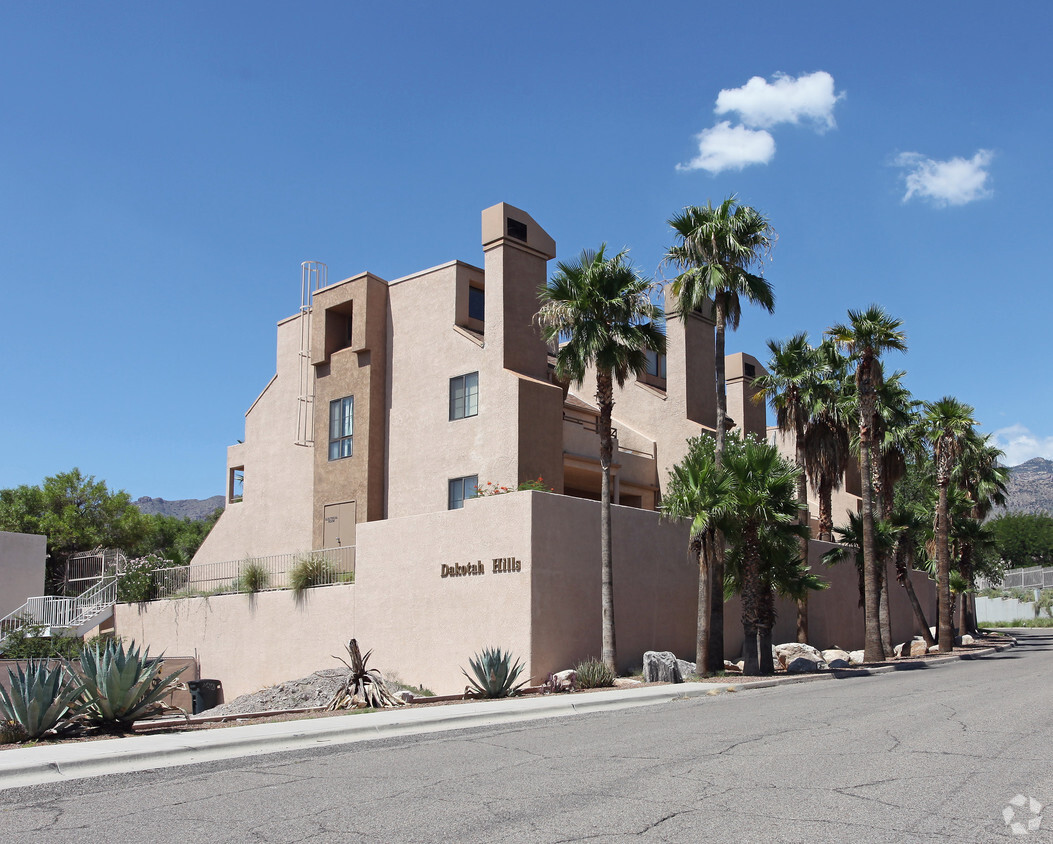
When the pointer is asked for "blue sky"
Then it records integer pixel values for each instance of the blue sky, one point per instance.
(165, 169)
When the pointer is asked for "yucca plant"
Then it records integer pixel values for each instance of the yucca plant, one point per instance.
(121, 686)
(495, 675)
(41, 698)
(309, 571)
(364, 686)
(593, 674)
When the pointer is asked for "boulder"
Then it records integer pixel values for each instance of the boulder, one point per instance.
(783, 654)
(964, 639)
(898, 650)
(935, 649)
(855, 657)
(805, 664)
(405, 695)
(732, 667)
(564, 681)
(832, 655)
(918, 647)
(661, 667)
(686, 668)
(838, 663)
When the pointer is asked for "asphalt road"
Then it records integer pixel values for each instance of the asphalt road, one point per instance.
(923, 755)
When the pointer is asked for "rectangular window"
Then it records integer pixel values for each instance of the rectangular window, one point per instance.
(341, 427)
(464, 396)
(460, 489)
(236, 484)
(655, 364)
(476, 303)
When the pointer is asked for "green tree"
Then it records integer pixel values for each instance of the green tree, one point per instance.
(602, 308)
(948, 422)
(827, 444)
(716, 252)
(76, 513)
(865, 337)
(1024, 539)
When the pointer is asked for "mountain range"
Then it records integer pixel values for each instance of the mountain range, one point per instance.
(184, 508)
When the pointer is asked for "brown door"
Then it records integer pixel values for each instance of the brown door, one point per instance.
(338, 525)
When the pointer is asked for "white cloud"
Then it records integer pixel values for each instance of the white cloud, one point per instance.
(727, 147)
(954, 182)
(761, 104)
(1020, 445)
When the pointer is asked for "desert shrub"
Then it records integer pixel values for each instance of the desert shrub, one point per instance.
(138, 582)
(311, 570)
(121, 686)
(593, 674)
(494, 673)
(254, 577)
(28, 642)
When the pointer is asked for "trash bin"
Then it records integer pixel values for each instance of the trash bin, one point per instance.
(204, 694)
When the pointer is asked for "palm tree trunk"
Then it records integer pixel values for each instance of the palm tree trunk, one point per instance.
(903, 576)
(802, 504)
(826, 510)
(605, 400)
(886, 620)
(945, 625)
(764, 631)
(716, 619)
(965, 565)
(702, 666)
(720, 376)
(716, 609)
(872, 648)
(751, 610)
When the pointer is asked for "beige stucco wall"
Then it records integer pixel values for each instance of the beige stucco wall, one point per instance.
(842, 501)
(274, 516)
(22, 560)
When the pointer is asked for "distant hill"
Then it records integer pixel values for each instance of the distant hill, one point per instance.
(1031, 487)
(186, 508)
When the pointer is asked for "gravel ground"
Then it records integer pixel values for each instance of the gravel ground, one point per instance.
(314, 690)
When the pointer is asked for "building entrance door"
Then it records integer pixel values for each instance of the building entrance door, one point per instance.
(338, 526)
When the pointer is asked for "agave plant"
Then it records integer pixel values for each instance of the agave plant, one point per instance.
(41, 698)
(495, 675)
(593, 674)
(121, 685)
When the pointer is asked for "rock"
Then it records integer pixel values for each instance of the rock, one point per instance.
(741, 665)
(405, 695)
(832, 655)
(898, 650)
(786, 653)
(661, 667)
(855, 657)
(732, 667)
(935, 649)
(564, 681)
(965, 639)
(805, 664)
(686, 668)
(918, 647)
(838, 663)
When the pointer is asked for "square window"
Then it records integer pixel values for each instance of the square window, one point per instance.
(464, 396)
(460, 489)
(341, 427)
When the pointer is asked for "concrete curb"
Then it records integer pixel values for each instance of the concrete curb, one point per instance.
(56, 763)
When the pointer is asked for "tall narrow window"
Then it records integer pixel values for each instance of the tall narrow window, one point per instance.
(464, 396)
(476, 303)
(460, 489)
(341, 427)
(655, 364)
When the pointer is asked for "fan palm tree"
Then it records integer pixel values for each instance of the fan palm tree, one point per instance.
(764, 488)
(948, 422)
(791, 376)
(601, 306)
(866, 336)
(699, 491)
(716, 251)
(827, 445)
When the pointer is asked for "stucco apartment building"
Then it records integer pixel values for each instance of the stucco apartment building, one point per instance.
(399, 397)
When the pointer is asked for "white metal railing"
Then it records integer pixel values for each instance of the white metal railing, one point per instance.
(324, 567)
(1033, 577)
(50, 611)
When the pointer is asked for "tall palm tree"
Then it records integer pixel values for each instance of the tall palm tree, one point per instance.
(948, 422)
(716, 251)
(866, 336)
(787, 385)
(601, 306)
(699, 491)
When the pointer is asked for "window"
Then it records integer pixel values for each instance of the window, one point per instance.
(236, 485)
(750, 370)
(341, 427)
(460, 489)
(516, 229)
(655, 364)
(476, 303)
(464, 396)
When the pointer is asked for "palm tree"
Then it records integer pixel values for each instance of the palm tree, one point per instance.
(865, 336)
(827, 446)
(764, 490)
(791, 376)
(716, 251)
(602, 307)
(699, 491)
(947, 424)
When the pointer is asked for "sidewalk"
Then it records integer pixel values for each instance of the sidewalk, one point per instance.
(74, 760)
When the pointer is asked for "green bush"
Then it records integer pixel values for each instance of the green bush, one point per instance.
(254, 577)
(42, 698)
(311, 570)
(28, 642)
(120, 685)
(495, 675)
(593, 674)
